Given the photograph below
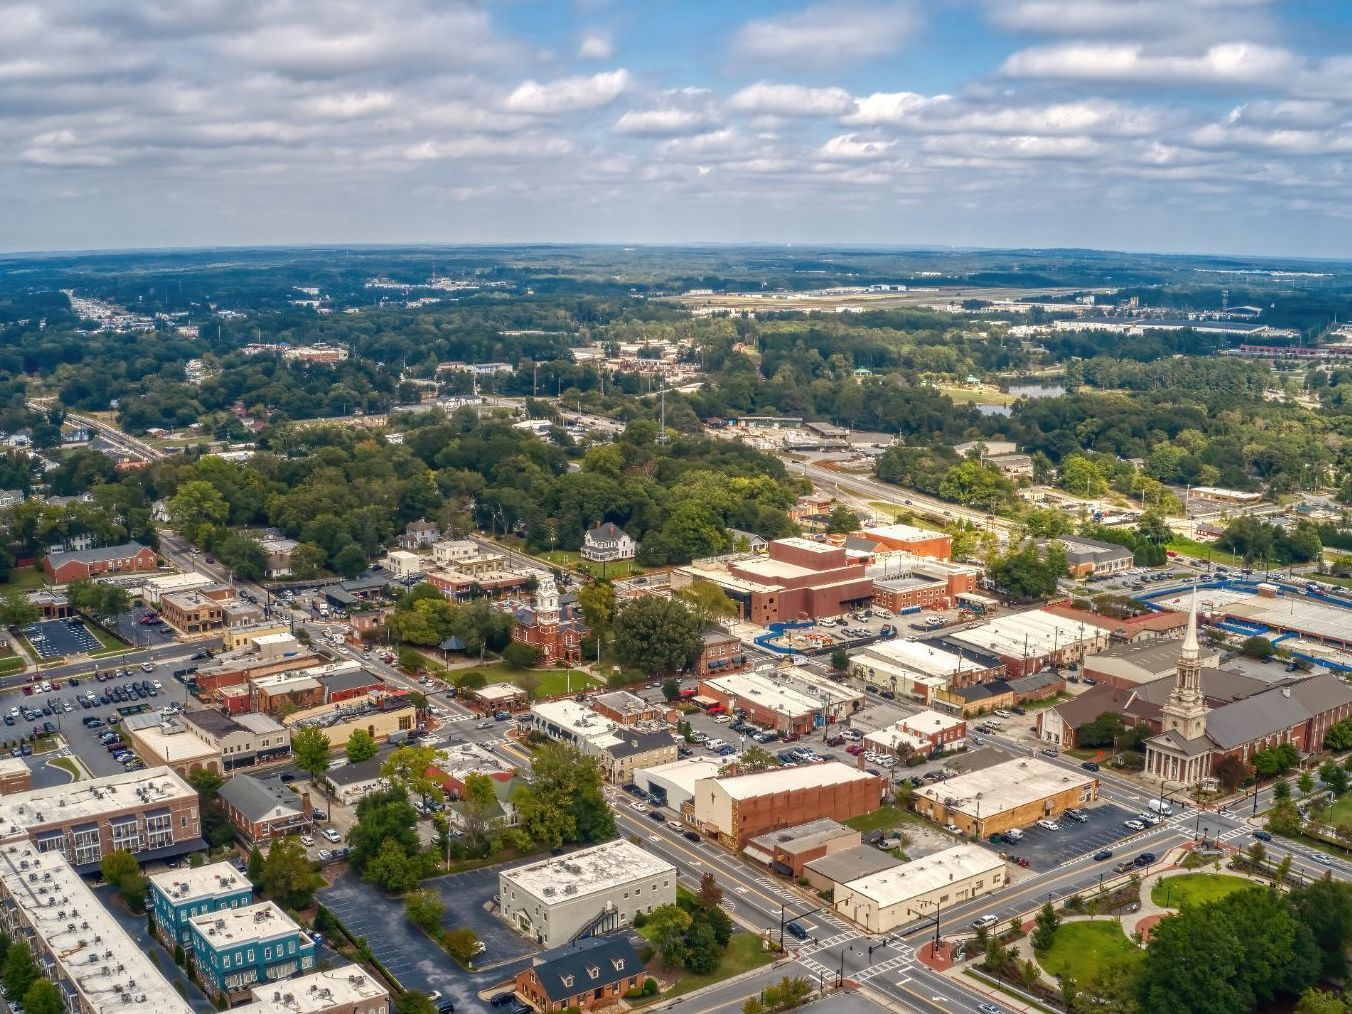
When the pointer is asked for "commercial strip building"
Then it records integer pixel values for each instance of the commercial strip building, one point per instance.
(152, 813)
(1013, 794)
(1032, 640)
(347, 989)
(925, 732)
(920, 669)
(235, 949)
(787, 851)
(794, 579)
(909, 539)
(721, 652)
(589, 892)
(768, 703)
(176, 896)
(674, 783)
(1093, 556)
(880, 902)
(499, 697)
(1127, 666)
(836, 868)
(738, 808)
(208, 739)
(382, 715)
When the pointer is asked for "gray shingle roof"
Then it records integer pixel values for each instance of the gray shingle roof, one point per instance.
(587, 965)
(96, 555)
(256, 799)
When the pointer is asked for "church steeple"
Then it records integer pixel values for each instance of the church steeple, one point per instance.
(1185, 710)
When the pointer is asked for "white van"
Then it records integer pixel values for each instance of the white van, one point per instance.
(1163, 809)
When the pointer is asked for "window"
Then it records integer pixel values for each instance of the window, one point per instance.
(267, 953)
(88, 848)
(251, 954)
(227, 961)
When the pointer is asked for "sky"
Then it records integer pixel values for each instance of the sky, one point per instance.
(1163, 125)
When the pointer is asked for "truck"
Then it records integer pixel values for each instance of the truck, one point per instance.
(1160, 807)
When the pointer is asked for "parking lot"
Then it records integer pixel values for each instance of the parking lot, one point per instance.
(410, 955)
(61, 638)
(130, 626)
(1046, 849)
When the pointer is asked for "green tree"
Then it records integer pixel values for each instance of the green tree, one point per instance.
(710, 894)
(255, 865)
(412, 1002)
(842, 520)
(42, 998)
(1320, 1001)
(287, 876)
(707, 603)
(408, 768)
(522, 656)
(361, 745)
(197, 509)
(393, 867)
(1324, 906)
(657, 636)
(1256, 647)
(20, 971)
(562, 800)
(1027, 573)
(701, 948)
(1044, 928)
(840, 659)
(596, 599)
(1305, 782)
(16, 610)
(311, 751)
(671, 689)
(666, 928)
(1335, 776)
(425, 909)
(754, 759)
(383, 816)
(462, 944)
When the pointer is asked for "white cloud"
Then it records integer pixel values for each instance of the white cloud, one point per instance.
(1118, 19)
(893, 108)
(489, 148)
(569, 94)
(661, 122)
(1231, 63)
(595, 46)
(1289, 113)
(767, 98)
(829, 34)
(850, 147)
(350, 105)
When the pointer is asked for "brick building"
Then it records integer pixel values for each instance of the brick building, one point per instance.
(15, 776)
(591, 972)
(1015, 793)
(909, 539)
(127, 558)
(198, 610)
(720, 653)
(152, 813)
(740, 807)
(795, 579)
(553, 626)
(788, 850)
(769, 703)
(260, 811)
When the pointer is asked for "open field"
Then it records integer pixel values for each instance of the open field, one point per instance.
(1195, 888)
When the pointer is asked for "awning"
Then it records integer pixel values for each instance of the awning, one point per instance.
(701, 701)
(124, 820)
(82, 828)
(51, 835)
(159, 811)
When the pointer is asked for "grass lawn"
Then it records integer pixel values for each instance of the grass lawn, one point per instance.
(1084, 949)
(745, 952)
(109, 642)
(24, 579)
(1340, 812)
(67, 765)
(568, 559)
(1200, 550)
(540, 682)
(1195, 888)
(883, 819)
(976, 395)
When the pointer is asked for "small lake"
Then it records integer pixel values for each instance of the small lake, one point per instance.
(1037, 390)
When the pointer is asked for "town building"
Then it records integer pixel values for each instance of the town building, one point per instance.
(587, 973)
(467, 557)
(404, 565)
(79, 564)
(592, 891)
(880, 902)
(15, 776)
(720, 652)
(346, 989)
(795, 579)
(179, 895)
(278, 549)
(420, 534)
(1086, 556)
(618, 749)
(627, 708)
(1127, 666)
(673, 784)
(554, 627)
(904, 582)
(1012, 466)
(925, 732)
(607, 543)
(1032, 640)
(499, 697)
(208, 739)
(983, 698)
(1146, 626)
(1015, 793)
(151, 813)
(234, 950)
(260, 811)
(285, 693)
(909, 539)
(352, 782)
(384, 716)
(738, 808)
(789, 849)
(830, 871)
(155, 586)
(747, 542)
(766, 702)
(196, 611)
(920, 669)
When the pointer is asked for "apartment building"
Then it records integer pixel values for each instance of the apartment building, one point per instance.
(152, 813)
(177, 896)
(236, 949)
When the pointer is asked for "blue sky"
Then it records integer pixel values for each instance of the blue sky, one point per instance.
(1172, 125)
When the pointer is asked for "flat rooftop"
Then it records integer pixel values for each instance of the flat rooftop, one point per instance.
(498, 692)
(1319, 620)
(22, 811)
(1004, 786)
(685, 773)
(110, 971)
(774, 571)
(190, 884)
(765, 692)
(229, 927)
(803, 836)
(921, 876)
(903, 533)
(924, 657)
(804, 776)
(808, 545)
(1032, 633)
(852, 864)
(588, 871)
(576, 719)
(316, 992)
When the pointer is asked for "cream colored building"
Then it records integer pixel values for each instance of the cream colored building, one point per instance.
(885, 900)
(381, 715)
(1016, 793)
(237, 637)
(402, 563)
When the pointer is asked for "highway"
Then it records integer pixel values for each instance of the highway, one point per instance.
(875, 490)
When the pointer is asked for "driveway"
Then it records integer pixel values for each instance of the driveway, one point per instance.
(467, 897)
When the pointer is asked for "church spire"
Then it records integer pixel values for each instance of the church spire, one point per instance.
(1191, 648)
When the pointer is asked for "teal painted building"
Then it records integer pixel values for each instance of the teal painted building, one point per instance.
(237, 949)
(176, 896)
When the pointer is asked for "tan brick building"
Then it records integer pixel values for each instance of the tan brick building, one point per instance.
(1016, 793)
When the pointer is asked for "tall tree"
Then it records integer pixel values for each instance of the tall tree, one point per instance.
(361, 745)
(657, 636)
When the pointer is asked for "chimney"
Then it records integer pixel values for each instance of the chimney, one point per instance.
(305, 804)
